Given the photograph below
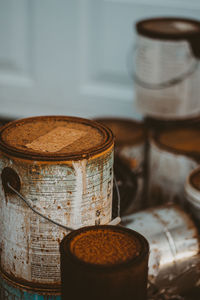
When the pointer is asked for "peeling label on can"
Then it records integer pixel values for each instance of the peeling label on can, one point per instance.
(56, 139)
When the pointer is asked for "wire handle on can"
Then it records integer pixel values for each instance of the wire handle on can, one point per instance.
(115, 221)
(162, 85)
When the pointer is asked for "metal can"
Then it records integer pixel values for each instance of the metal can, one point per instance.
(63, 166)
(167, 70)
(174, 245)
(130, 151)
(173, 154)
(192, 192)
(104, 262)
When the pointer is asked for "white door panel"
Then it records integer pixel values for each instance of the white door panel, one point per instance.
(71, 57)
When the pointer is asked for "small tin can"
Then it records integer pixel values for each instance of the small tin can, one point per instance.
(104, 262)
(192, 192)
(63, 166)
(130, 151)
(173, 154)
(167, 70)
(174, 246)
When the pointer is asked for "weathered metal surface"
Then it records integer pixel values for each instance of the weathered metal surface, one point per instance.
(74, 193)
(168, 171)
(174, 245)
(10, 290)
(192, 192)
(167, 71)
(130, 146)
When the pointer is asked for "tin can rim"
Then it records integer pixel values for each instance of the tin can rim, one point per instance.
(127, 122)
(191, 192)
(154, 140)
(42, 288)
(185, 35)
(108, 141)
(145, 249)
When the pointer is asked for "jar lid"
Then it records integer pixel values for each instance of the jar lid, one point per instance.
(54, 138)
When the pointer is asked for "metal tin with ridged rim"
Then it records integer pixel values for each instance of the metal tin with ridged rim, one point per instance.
(167, 70)
(173, 154)
(69, 182)
(104, 262)
(174, 245)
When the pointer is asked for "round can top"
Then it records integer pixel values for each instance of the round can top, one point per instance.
(126, 132)
(184, 140)
(54, 138)
(168, 28)
(105, 246)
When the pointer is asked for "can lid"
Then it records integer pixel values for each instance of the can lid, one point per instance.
(184, 140)
(172, 29)
(192, 187)
(105, 246)
(54, 138)
(168, 28)
(126, 132)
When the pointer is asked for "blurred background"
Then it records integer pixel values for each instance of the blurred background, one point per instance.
(73, 57)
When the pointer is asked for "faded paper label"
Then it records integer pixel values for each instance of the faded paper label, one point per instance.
(56, 139)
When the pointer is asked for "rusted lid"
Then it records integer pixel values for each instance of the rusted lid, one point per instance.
(181, 140)
(105, 245)
(172, 29)
(126, 132)
(54, 138)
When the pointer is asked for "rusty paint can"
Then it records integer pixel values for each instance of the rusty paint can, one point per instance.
(63, 166)
(130, 150)
(167, 69)
(104, 262)
(173, 154)
(174, 261)
(192, 193)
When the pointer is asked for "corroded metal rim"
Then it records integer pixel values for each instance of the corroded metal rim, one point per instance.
(107, 142)
(40, 288)
(154, 139)
(134, 124)
(65, 249)
(181, 35)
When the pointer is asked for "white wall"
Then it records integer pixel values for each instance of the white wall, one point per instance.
(71, 57)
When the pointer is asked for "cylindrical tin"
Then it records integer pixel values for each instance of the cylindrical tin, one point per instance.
(104, 262)
(174, 245)
(167, 70)
(192, 192)
(173, 154)
(64, 167)
(11, 290)
(130, 146)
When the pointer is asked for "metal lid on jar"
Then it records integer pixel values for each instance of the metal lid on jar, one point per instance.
(184, 140)
(126, 132)
(105, 246)
(54, 138)
(192, 187)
